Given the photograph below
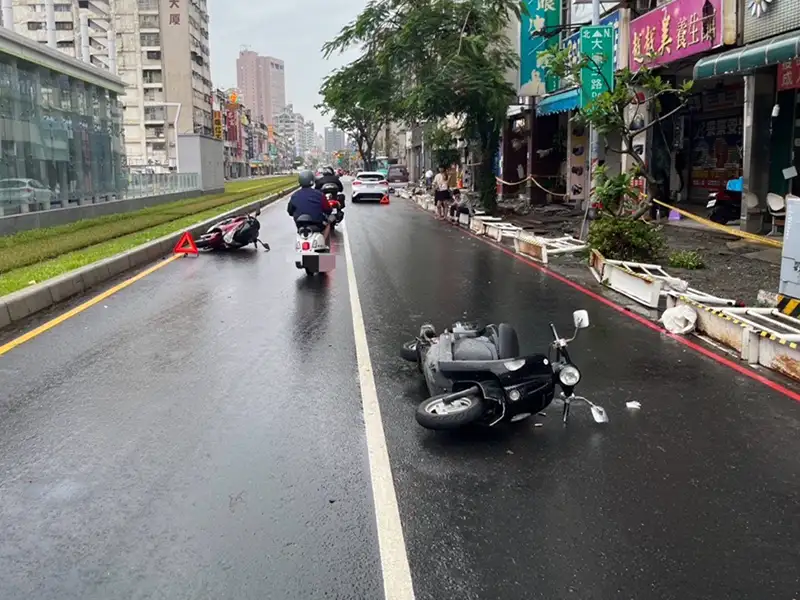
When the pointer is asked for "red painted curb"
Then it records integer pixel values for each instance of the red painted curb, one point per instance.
(639, 319)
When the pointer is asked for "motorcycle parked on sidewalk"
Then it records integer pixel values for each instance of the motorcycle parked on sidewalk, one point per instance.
(725, 205)
(313, 253)
(336, 200)
(475, 375)
(233, 233)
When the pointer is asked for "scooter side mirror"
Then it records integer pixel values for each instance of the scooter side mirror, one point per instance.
(581, 319)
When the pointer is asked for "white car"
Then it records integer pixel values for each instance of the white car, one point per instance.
(28, 192)
(369, 185)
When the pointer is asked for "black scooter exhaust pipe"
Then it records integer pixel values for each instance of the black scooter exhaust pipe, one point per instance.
(462, 394)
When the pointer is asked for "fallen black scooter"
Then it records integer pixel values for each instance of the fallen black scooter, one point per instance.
(476, 376)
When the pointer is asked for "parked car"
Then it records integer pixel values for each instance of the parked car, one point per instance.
(398, 176)
(369, 185)
(16, 192)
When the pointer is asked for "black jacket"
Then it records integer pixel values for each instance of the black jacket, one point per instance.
(329, 179)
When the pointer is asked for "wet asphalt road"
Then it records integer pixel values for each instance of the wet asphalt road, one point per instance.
(200, 435)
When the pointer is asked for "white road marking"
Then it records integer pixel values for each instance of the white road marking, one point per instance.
(397, 583)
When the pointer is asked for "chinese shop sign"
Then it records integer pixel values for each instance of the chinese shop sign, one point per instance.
(675, 31)
(536, 29)
(218, 124)
(789, 75)
(597, 43)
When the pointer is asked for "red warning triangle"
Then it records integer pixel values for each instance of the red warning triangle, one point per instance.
(186, 245)
(385, 200)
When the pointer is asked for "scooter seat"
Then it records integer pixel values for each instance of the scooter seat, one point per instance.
(458, 367)
(473, 348)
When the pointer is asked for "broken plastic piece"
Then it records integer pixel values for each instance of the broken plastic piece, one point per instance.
(679, 319)
(633, 404)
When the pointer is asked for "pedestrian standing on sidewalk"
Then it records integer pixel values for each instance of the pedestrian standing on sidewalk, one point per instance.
(441, 193)
(428, 179)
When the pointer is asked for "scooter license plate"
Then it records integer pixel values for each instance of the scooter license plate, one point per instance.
(711, 204)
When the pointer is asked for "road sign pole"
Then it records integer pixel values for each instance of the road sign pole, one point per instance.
(594, 146)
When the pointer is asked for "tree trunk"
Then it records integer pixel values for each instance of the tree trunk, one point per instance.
(486, 185)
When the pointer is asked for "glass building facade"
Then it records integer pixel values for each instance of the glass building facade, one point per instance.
(60, 136)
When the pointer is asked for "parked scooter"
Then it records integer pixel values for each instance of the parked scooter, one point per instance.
(475, 375)
(726, 205)
(233, 233)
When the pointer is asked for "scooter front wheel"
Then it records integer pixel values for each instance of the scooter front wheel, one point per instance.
(435, 413)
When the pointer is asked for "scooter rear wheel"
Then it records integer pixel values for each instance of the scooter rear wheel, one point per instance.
(409, 351)
(435, 414)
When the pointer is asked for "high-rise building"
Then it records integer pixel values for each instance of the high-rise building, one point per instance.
(158, 47)
(86, 33)
(334, 139)
(261, 81)
(292, 126)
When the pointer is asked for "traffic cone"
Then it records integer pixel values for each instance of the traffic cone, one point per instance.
(385, 200)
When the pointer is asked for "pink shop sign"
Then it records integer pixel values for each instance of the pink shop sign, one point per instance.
(675, 31)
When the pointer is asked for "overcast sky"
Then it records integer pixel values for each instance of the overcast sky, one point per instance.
(292, 31)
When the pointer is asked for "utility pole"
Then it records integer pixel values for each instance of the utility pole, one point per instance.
(594, 139)
(594, 148)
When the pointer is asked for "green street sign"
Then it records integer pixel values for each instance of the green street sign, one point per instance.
(597, 42)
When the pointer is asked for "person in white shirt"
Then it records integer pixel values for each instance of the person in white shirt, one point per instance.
(441, 192)
(428, 178)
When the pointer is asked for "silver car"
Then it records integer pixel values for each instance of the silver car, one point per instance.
(21, 193)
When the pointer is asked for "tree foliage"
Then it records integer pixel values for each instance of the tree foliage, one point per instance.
(621, 112)
(453, 56)
(443, 144)
(361, 98)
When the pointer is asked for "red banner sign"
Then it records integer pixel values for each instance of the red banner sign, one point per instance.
(789, 75)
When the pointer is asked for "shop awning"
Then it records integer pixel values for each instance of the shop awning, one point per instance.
(559, 102)
(747, 58)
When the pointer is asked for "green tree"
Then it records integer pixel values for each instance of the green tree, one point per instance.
(621, 111)
(361, 98)
(443, 145)
(454, 56)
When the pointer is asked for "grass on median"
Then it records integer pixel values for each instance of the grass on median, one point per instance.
(35, 246)
(20, 278)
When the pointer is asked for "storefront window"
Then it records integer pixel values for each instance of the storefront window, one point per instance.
(59, 137)
(717, 138)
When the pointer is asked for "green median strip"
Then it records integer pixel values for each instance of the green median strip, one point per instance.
(118, 236)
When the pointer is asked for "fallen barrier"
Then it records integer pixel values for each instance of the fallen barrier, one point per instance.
(541, 248)
(762, 336)
(478, 223)
(498, 231)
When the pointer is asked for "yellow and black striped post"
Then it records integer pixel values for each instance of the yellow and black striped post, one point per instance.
(789, 306)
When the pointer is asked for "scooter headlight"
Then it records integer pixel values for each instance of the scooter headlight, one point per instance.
(569, 376)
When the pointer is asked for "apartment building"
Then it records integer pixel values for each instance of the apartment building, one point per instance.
(164, 61)
(159, 48)
(291, 125)
(261, 81)
(82, 29)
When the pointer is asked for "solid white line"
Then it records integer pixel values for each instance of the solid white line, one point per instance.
(397, 583)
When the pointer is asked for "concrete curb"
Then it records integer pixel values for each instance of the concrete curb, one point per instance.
(26, 302)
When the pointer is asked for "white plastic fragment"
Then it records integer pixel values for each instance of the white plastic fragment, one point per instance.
(679, 319)
(634, 405)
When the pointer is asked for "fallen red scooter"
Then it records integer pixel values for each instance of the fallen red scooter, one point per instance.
(233, 233)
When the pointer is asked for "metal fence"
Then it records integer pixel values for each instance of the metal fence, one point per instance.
(25, 195)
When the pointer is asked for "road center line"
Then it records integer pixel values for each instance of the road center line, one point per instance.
(397, 583)
(82, 307)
